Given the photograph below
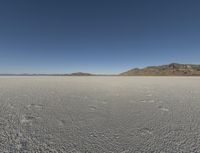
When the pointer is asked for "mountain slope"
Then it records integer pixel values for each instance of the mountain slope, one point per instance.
(173, 69)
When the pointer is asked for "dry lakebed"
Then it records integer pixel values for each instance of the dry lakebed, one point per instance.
(97, 114)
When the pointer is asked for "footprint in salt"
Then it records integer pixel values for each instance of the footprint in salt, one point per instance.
(148, 101)
(35, 106)
(151, 101)
(93, 108)
(10, 106)
(28, 119)
(61, 122)
(149, 95)
(145, 131)
(163, 109)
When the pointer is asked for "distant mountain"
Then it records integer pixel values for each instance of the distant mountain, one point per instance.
(173, 69)
(71, 74)
(80, 74)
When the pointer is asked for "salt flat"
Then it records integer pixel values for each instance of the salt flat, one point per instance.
(100, 114)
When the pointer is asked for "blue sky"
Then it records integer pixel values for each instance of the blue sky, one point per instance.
(98, 36)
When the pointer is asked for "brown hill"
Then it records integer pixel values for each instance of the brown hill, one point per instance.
(173, 69)
(80, 74)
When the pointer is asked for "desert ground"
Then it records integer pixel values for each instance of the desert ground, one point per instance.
(99, 114)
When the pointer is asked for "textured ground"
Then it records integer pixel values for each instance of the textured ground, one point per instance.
(100, 114)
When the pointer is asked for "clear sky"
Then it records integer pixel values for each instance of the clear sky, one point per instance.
(98, 36)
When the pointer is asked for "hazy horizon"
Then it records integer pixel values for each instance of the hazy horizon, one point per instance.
(66, 73)
(102, 37)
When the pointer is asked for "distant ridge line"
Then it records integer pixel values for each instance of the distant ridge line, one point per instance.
(173, 69)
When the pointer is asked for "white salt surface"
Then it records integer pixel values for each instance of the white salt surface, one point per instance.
(100, 114)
